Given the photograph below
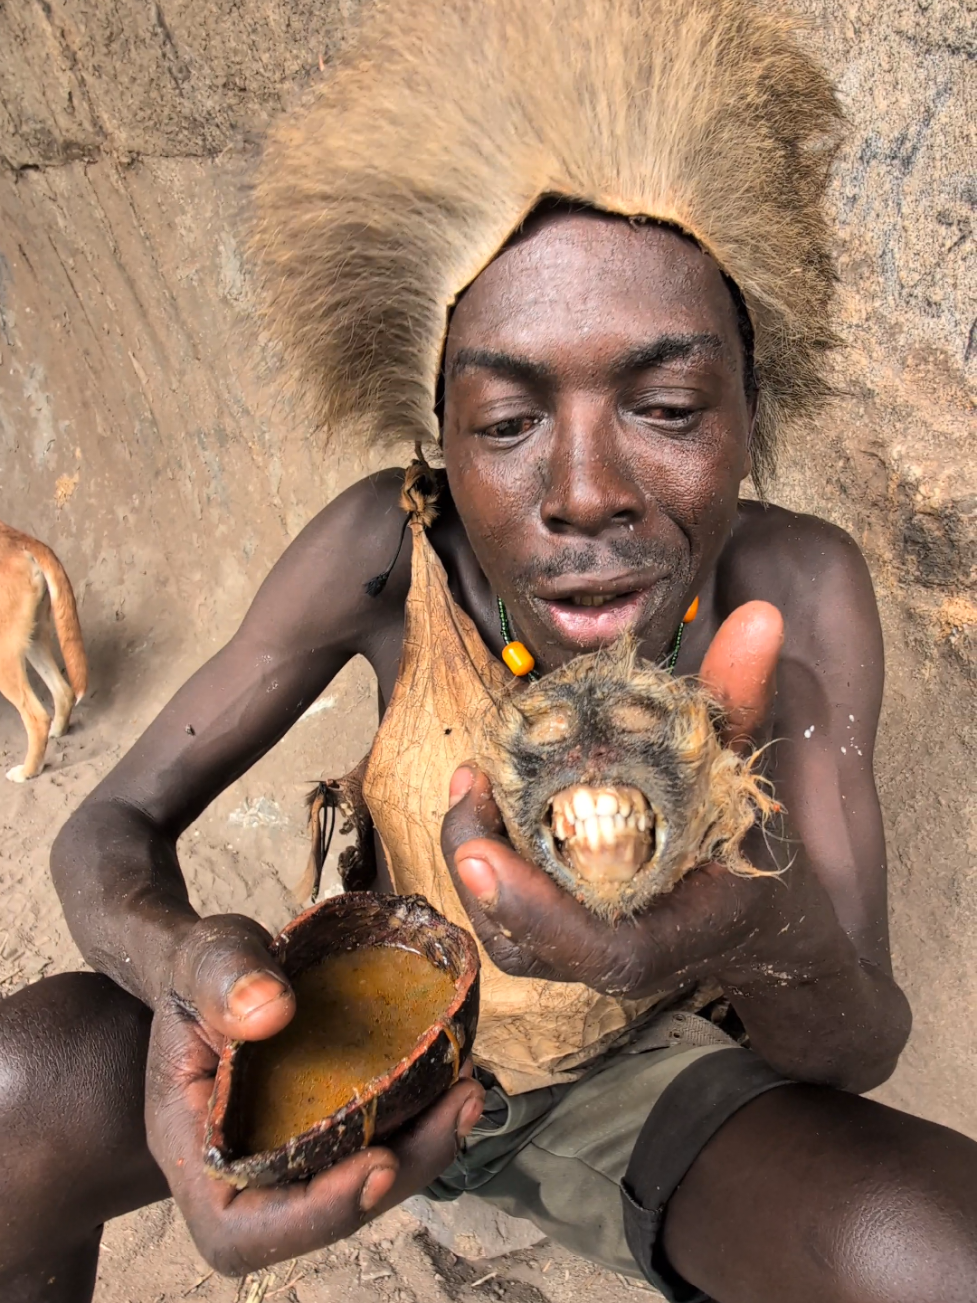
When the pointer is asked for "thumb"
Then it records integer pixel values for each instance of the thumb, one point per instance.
(227, 975)
(472, 811)
(740, 669)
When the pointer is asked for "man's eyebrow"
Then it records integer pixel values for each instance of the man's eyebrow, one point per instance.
(505, 364)
(670, 348)
(667, 348)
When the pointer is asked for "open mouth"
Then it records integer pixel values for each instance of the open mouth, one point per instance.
(585, 620)
(595, 599)
(604, 834)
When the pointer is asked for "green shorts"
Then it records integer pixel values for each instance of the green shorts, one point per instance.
(562, 1156)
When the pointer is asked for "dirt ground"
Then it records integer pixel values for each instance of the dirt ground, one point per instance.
(148, 1259)
(242, 855)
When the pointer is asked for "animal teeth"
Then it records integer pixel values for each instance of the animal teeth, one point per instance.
(583, 804)
(616, 859)
(606, 835)
(606, 803)
(560, 826)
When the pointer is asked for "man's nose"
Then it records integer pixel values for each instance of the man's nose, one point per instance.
(588, 486)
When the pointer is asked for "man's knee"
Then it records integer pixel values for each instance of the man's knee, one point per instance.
(72, 1066)
(72, 1057)
(910, 1235)
(17, 1082)
(852, 1201)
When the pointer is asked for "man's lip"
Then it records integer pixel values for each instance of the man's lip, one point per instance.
(569, 586)
(591, 626)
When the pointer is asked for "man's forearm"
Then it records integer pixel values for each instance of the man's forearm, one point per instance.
(123, 894)
(843, 1027)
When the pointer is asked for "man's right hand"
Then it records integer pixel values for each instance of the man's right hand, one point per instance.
(226, 985)
(223, 974)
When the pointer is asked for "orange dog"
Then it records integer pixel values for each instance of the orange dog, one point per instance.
(33, 588)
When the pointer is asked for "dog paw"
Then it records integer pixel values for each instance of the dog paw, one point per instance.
(58, 731)
(19, 774)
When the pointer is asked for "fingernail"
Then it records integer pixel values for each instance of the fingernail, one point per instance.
(460, 785)
(468, 1116)
(252, 992)
(479, 877)
(375, 1187)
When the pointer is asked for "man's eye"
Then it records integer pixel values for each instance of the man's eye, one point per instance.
(664, 415)
(511, 428)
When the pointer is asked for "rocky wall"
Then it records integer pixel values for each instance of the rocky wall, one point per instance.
(143, 434)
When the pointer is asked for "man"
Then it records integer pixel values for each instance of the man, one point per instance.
(607, 384)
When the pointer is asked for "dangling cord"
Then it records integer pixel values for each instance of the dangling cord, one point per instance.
(676, 645)
(687, 618)
(417, 499)
(520, 660)
(375, 586)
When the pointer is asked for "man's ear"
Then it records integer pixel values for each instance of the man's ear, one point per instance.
(747, 471)
(752, 407)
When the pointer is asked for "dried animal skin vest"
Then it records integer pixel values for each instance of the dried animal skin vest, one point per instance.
(531, 1032)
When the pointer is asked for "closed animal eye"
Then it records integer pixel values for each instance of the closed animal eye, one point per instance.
(553, 725)
(635, 717)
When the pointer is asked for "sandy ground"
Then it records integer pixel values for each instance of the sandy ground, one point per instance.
(240, 856)
(148, 1258)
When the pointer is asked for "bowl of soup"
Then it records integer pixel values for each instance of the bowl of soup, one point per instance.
(386, 996)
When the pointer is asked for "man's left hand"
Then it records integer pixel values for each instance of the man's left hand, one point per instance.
(712, 923)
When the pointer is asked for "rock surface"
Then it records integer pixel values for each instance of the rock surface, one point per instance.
(472, 1228)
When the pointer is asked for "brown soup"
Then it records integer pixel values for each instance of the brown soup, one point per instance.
(358, 1013)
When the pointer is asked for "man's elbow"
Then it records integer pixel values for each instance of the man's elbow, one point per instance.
(881, 1035)
(867, 1076)
(100, 828)
(63, 855)
(872, 1057)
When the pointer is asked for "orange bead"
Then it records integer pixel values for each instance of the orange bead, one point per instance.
(518, 657)
(692, 612)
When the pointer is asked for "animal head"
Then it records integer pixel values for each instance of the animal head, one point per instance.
(610, 775)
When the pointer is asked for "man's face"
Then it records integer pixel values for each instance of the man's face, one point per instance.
(596, 429)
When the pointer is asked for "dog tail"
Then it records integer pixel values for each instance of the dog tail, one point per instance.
(65, 614)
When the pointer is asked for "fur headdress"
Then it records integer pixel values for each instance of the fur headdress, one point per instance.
(443, 123)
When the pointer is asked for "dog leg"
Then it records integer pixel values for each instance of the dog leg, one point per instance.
(16, 687)
(41, 655)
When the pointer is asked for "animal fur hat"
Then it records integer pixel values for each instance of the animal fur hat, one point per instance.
(442, 123)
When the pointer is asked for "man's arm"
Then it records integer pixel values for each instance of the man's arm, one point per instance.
(829, 695)
(114, 863)
(116, 868)
(830, 679)
(803, 957)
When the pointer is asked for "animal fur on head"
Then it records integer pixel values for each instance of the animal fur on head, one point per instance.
(443, 123)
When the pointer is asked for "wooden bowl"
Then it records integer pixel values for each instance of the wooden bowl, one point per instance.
(380, 1106)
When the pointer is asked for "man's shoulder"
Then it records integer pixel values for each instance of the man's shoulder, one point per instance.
(805, 565)
(795, 533)
(363, 530)
(371, 504)
(323, 588)
(769, 540)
